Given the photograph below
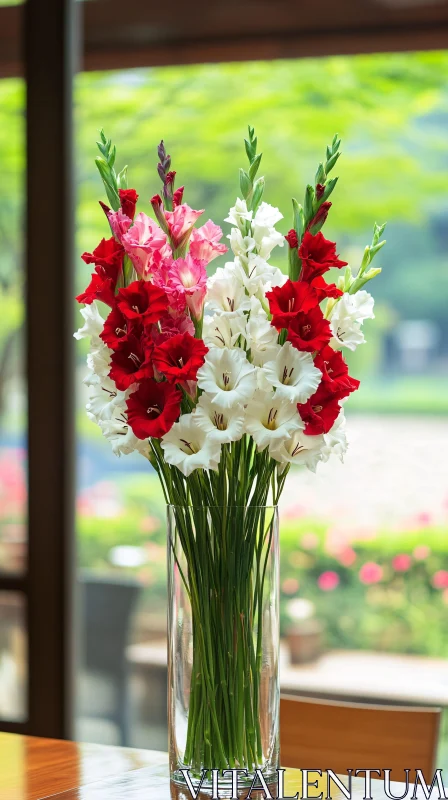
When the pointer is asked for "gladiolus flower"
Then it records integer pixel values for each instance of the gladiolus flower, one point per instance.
(204, 242)
(178, 196)
(309, 331)
(131, 362)
(321, 410)
(180, 222)
(171, 325)
(187, 285)
(318, 256)
(292, 374)
(180, 357)
(328, 581)
(319, 217)
(145, 244)
(335, 372)
(108, 258)
(117, 328)
(371, 573)
(189, 447)
(288, 300)
(401, 562)
(325, 289)
(143, 301)
(320, 188)
(153, 408)
(128, 201)
(119, 223)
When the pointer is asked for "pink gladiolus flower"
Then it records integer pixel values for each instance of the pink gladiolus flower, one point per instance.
(119, 223)
(328, 581)
(180, 222)
(440, 579)
(402, 562)
(370, 573)
(172, 325)
(204, 242)
(145, 244)
(421, 552)
(187, 285)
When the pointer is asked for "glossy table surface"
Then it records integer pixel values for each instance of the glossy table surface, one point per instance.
(39, 769)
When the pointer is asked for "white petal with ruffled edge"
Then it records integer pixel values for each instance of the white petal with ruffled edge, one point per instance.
(300, 449)
(227, 377)
(225, 425)
(292, 374)
(188, 447)
(271, 420)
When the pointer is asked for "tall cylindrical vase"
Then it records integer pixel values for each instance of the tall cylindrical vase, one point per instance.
(223, 632)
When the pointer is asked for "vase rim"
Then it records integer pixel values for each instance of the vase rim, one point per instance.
(207, 505)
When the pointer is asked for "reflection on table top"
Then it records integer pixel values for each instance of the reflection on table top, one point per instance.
(37, 769)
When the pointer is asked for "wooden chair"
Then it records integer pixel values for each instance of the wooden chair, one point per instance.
(319, 734)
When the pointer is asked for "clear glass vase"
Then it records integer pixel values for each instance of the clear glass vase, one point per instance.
(223, 642)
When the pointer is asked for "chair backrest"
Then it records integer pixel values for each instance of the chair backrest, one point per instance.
(107, 605)
(317, 734)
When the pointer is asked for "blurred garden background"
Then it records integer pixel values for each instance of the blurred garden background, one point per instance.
(364, 544)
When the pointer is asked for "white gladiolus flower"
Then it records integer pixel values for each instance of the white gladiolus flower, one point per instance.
(189, 447)
(98, 361)
(347, 317)
(266, 216)
(93, 324)
(239, 215)
(271, 419)
(223, 331)
(261, 339)
(120, 435)
(228, 377)
(292, 374)
(260, 276)
(239, 244)
(299, 449)
(336, 439)
(224, 425)
(225, 293)
(104, 398)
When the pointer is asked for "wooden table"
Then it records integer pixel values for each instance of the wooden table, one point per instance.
(39, 769)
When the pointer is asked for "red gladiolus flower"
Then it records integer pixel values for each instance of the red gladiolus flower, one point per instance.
(131, 362)
(144, 301)
(320, 189)
(292, 239)
(318, 255)
(288, 300)
(310, 331)
(153, 409)
(335, 372)
(108, 254)
(128, 201)
(108, 258)
(325, 289)
(180, 357)
(321, 411)
(99, 288)
(117, 329)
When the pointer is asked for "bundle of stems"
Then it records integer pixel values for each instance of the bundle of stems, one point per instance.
(225, 530)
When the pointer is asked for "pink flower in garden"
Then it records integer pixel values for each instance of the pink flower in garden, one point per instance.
(119, 223)
(180, 222)
(328, 581)
(290, 586)
(187, 285)
(204, 242)
(401, 562)
(440, 579)
(421, 552)
(370, 573)
(347, 557)
(145, 244)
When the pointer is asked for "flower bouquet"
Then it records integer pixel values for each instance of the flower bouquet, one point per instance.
(222, 382)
